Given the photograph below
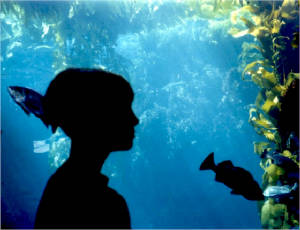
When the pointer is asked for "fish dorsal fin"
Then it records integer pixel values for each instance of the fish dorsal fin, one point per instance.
(227, 163)
(208, 163)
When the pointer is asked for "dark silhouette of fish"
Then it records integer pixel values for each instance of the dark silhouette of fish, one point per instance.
(238, 179)
(29, 100)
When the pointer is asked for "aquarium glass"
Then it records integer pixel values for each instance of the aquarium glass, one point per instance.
(185, 64)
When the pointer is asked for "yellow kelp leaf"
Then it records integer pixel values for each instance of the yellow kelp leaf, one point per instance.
(260, 99)
(248, 23)
(266, 79)
(295, 41)
(269, 135)
(267, 106)
(239, 13)
(251, 66)
(278, 46)
(293, 75)
(275, 14)
(275, 137)
(260, 147)
(266, 213)
(279, 217)
(271, 96)
(274, 172)
(288, 154)
(278, 210)
(271, 102)
(288, 15)
(276, 56)
(280, 42)
(264, 122)
(268, 76)
(287, 9)
(237, 33)
(274, 215)
(290, 79)
(265, 163)
(251, 111)
(233, 16)
(259, 32)
(278, 90)
(251, 8)
(261, 122)
(256, 78)
(256, 47)
(257, 20)
(276, 24)
(295, 222)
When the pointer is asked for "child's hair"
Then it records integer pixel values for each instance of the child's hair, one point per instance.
(74, 92)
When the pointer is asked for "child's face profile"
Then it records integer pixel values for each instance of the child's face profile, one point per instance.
(110, 124)
(92, 107)
(120, 124)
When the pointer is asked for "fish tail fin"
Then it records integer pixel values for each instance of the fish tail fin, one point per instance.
(208, 163)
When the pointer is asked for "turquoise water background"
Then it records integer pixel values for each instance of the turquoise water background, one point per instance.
(189, 97)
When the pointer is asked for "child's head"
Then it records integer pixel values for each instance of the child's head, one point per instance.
(94, 104)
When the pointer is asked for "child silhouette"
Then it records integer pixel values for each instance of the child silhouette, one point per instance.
(93, 108)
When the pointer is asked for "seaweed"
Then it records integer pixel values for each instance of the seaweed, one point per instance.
(275, 26)
(212, 8)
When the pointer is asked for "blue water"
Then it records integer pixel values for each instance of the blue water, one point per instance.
(189, 97)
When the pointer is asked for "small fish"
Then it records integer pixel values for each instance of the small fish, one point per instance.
(284, 162)
(279, 191)
(41, 146)
(238, 179)
(29, 100)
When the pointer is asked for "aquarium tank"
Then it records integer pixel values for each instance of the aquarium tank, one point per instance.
(216, 76)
